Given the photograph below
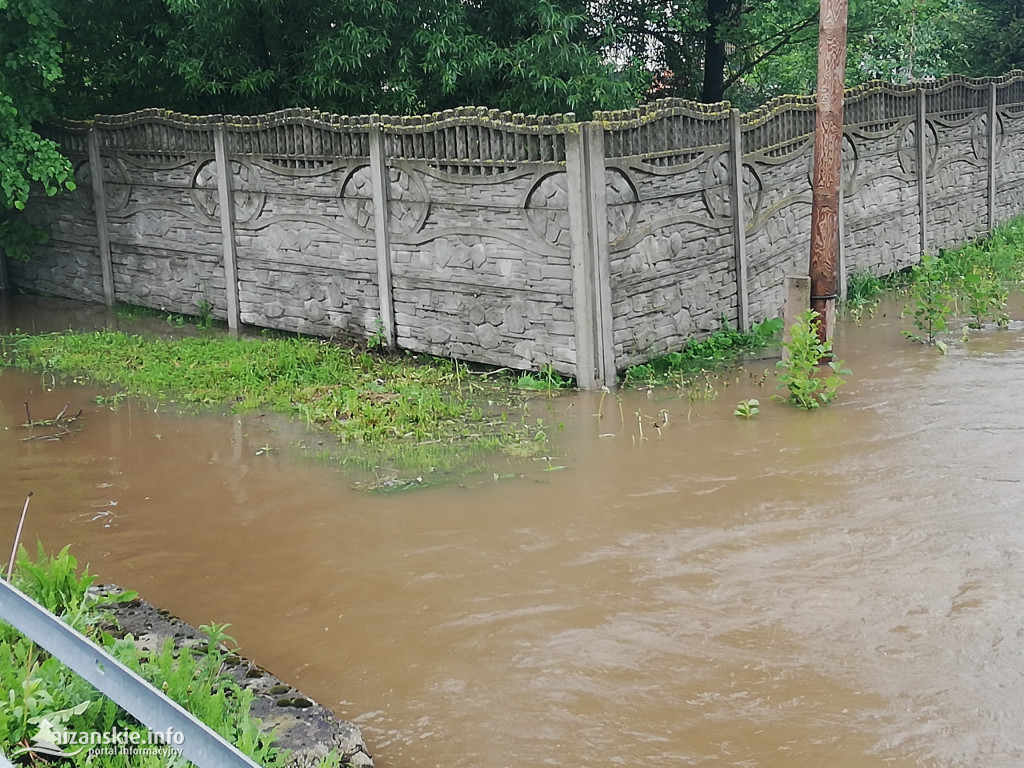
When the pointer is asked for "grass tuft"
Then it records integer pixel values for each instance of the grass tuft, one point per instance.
(402, 410)
(697, 357)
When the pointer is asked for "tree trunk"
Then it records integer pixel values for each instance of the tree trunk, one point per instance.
(714, 53)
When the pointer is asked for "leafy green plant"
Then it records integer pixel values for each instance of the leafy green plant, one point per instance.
(932, 301)
(863, 291)
(18, 238)
(699, 356)
(985, 297)
(546, 379)
(205, 317)
(747, 409)
(799, 368)
(378, 340)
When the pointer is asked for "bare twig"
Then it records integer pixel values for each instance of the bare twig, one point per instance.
(61, 423)
(62, 412)
(17, 536)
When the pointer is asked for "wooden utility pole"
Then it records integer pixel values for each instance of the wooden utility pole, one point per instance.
(828, 161)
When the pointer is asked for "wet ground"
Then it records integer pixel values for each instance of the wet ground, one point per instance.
(840, 588)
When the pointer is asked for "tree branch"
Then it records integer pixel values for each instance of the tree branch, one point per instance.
(787, 40)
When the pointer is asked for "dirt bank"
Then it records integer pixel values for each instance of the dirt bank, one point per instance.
(307, 729)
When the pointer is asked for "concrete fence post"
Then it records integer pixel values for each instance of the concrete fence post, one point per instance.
(739, 219)
(597, 188)
(99, 198)
(921, 128)
(382, 234)
(579, 245)
(797, 300)
(992, 134)
(842, 278)
(225, 198)
(589, 254)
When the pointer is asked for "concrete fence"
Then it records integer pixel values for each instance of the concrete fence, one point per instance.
(517, 240)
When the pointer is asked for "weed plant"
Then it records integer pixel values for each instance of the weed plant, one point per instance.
(747, 409)
(398, 410)
(932, 300)
(700, 356)
(546, 379)
(38, 687)
(863, 292)
(799, 369)
(972, 280)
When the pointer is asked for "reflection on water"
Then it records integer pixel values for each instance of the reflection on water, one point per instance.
(840, 588)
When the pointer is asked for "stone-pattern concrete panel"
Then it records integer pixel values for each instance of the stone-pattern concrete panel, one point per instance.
(880, 205)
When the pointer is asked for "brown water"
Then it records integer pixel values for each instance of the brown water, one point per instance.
(840, 588)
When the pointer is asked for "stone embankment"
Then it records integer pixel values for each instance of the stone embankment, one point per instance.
(307, 729)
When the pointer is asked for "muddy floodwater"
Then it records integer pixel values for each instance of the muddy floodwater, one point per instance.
(842, 588)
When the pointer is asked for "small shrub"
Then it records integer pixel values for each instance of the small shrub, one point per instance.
(932, 300)
(747, 409)
(799, 373)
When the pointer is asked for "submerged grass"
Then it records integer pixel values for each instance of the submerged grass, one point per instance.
(698, 357)
(403, 410)
(971, 280)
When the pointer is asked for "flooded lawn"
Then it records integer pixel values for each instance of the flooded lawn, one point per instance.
(842, 588)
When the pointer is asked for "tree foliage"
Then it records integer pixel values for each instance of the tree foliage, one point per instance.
(349, 56)
(996, 44)
(748, 52)
(29, 69)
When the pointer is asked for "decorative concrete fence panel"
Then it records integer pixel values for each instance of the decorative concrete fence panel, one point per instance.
(667, 183)
(479, 238)
(517, 240)
(302, 210)
(881, 215)
(1008, 158)
(957, 142)
(164, 249)
(69, 264)
(778, 149)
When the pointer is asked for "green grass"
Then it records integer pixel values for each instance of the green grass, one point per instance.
(698, 356)
(37, 685)
(402, 411)
(972, 280)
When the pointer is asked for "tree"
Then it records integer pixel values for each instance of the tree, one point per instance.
(30, 66)
(349, 56)
(995, 39)
(749, 52)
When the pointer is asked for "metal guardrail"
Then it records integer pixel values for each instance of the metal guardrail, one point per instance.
(199, 743)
